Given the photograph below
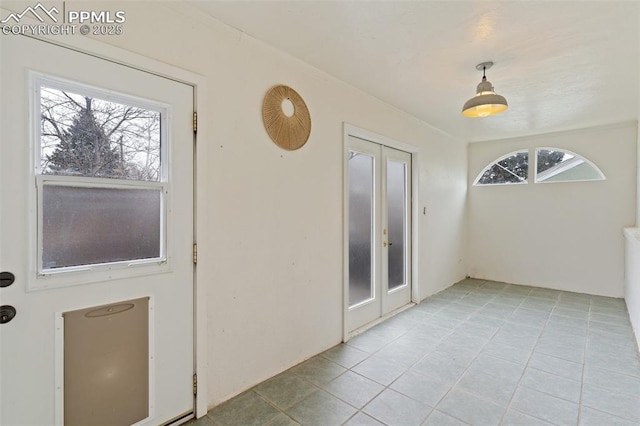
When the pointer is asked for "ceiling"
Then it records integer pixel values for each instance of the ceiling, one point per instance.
(561, 64)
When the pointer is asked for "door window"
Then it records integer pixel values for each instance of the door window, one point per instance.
(397, 223)
(101, 178)
(361, 217)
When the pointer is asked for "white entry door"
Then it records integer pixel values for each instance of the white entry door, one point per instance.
(96, 211)
(379, 231)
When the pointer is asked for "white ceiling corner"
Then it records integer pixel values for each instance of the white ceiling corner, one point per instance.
(561, 64)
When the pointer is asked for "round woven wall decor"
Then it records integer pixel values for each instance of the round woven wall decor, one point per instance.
(289, 133)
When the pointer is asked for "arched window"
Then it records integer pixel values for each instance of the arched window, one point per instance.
(559, 165)
(512, 168)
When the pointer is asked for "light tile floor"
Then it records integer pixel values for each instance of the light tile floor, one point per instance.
(479, 352)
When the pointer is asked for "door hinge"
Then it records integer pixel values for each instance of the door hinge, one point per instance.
(195, 121)
(195, 384)
(195, 253)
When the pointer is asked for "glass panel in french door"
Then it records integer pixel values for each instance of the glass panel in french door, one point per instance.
(397, 224)
(361, 209)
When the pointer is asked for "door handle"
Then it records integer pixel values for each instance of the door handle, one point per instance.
(384, 244)
(6, 279)
(7, 312)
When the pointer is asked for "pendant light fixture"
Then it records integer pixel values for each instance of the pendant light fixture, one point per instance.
(486, 102)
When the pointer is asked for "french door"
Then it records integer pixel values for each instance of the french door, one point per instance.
(379, 231)
(96, 218)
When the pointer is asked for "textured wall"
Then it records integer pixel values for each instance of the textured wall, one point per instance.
(559, 235)
(269, 220)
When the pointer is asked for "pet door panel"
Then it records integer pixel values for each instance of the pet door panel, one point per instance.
(106, 364)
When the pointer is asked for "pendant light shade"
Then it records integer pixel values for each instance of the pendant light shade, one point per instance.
(486, 101)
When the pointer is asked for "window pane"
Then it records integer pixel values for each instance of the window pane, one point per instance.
(87, 136)
(360, 226)
(83, 226)
(397, 214)
(512, 169)
(555, 165)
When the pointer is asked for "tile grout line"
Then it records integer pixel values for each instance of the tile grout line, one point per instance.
(584, 362)
(388, 387)
(471, 362)
(527, 365)
(465, 370)
(384, 387)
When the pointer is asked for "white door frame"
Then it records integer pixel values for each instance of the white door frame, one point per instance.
(198, 82)
(351, 130)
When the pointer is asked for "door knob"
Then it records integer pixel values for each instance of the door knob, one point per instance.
(7, 312)
(384, 244)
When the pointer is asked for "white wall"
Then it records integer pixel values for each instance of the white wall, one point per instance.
(270, 221)
(632, 257)
(566, 236)
(632, 276)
